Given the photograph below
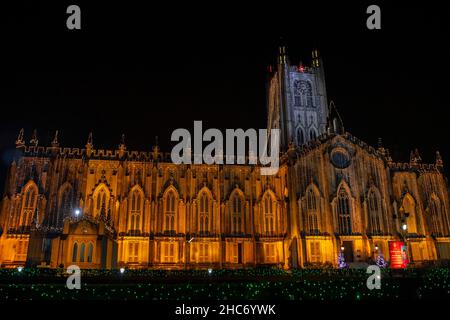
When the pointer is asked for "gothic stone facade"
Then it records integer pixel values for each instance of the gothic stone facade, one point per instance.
(333, 193)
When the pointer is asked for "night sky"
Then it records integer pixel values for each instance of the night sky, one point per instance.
(145, 71)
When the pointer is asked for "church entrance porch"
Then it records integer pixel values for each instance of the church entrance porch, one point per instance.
(238, 252)
(347, 250)
(353, 249)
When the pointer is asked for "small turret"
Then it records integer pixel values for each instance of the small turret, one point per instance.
(335, 124)
(156, 149)
(439, 162)
(414, 157)
(388, 157)
(20, 142)
(380, 148)
(55, 142)
(34, 140)
(89, 145)
(122, 146)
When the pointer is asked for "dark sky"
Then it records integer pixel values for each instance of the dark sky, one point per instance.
(144, 71)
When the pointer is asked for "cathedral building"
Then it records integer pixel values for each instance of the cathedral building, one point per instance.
(332, 195)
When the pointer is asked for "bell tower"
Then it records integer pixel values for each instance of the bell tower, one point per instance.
(297, 100)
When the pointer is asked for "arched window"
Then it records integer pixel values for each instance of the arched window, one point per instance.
(82, 251)
(29, 205)
(75, 252)
(409, 208)
(135, 212)
(435, 214)
(312, 212)
(300, 136)
(311, 201)
(169, 213)
(312, 134)
(236, 214)
(102, 202)
(269, 216)
(90, 252)
(374, 212)
(344, 212)
(303, 93)
(204, 213)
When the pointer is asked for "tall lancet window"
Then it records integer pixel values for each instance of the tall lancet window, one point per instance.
(169, 213)
(297, 94)
(269, 216)
(344, 213)
(312, 211)
(409, 208)
(236, 214)
(300, 136)
(90, 252)
(204, 217)
(82, 252)
(374, 213)
(102, 202)
(65, 207)
(312, 134)
(29, 205)
(75, 252)
(435, 214)
(135, 212)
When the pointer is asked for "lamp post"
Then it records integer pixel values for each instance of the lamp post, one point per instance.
(375, 252)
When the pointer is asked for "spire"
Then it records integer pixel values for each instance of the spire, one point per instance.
(418, 157)
(414, 157)
(388, 157)
(34, 140)
(188, 149)
(380, 143)
(90, 141)
(122, 146)
(335, 124)
(20, 141)
(380, 146)
(439, 161)
(156, 149)
(55, 142)
(89, 145)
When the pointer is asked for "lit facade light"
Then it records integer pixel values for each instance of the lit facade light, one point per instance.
(122, 270)
(210, 271)
(376, 247)
(404, 227)
(77, 212)
(342, 248)
(20, 268)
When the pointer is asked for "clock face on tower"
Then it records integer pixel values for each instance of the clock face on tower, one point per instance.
(340, 158)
